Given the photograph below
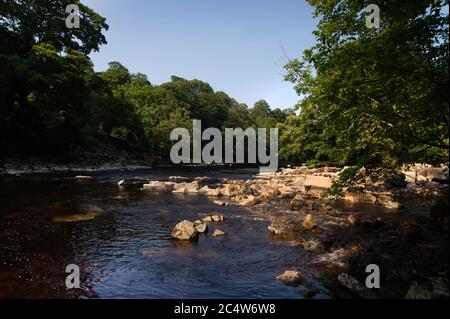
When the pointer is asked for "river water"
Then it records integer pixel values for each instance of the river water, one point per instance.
(120, 239)
(126, 250)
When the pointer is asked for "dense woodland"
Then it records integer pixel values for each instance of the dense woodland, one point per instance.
(373, 97)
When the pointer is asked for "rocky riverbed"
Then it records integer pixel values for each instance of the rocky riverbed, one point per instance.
(410, 250)
(228, 233)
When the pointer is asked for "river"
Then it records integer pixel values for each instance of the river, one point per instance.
(126, 250)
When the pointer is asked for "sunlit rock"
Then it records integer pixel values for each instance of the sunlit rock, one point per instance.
(201, 228)
(290, 277)
(184, 230)
(309, 223)
(218, 233)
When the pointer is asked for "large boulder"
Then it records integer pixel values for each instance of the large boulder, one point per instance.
(184, 230)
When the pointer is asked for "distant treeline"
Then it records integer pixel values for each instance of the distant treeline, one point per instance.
(369, 96)
(52, 101)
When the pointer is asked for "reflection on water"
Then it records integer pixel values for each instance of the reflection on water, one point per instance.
(121, 241)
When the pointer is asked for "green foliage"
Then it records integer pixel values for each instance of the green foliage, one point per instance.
(374, 97)
(370, 97)
(348, 177)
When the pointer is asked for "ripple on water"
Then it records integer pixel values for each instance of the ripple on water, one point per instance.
(126, 250)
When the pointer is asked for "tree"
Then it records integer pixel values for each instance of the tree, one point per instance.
(379, 95)
(29, 22)
(45, 75)
(260, 109)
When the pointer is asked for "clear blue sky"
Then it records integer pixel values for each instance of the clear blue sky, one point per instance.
(236, 46)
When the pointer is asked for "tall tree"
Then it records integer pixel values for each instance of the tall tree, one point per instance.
(379, 95)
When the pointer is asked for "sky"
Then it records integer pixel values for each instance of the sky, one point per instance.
(237, 46)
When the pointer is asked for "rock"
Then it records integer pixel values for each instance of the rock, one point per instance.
(136, 182)
(410, 177)
(197, 222)
(283, 226)
(82, 177)
(298, 202)
(310, 245)
(351, 220)
(309, 222)
(290, 277)
(178, 179)
(184, 230)
(87, 212)
(207, 219)
(185, 187)
(249, 201)
(350, 282)
(74, 217)
(181, 190)
(325, 207)
(440, 287)
(274, 230)
(387, 201)
(218, 233)
(362, 197)
(213, 218)
(355, 286)
(421, 179)
(286, 191)
(395, 179)
(210, 191)
(268, 191)
(228, 190)
(314, 191)
(318, 181)
(201, 228)
(221, 203)
(217, 218)
(192, 187)
(313, 205)
(158, 186)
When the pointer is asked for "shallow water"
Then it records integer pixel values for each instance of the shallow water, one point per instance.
(121, 241)
(126, 250)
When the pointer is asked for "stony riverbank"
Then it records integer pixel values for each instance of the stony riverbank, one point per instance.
(410, 250)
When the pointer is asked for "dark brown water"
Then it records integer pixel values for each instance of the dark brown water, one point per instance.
(126, 250)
